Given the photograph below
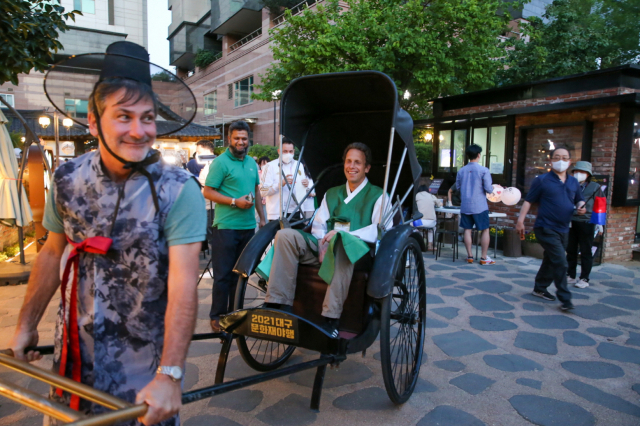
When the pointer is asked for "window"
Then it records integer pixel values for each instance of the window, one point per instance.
(211, 103)
(230, 91)
(242, 91)
(76, 108)
(85, 6)
(8, 98)
(493, 140)
(447, 156)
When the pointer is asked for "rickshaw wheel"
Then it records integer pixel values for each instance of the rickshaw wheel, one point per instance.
(402, 330)
(261, 355)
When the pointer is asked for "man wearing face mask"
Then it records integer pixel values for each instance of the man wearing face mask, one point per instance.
(558, 196)
(271, 189)
(582, 231)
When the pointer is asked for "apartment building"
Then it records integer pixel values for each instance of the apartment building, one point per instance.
(103, 22)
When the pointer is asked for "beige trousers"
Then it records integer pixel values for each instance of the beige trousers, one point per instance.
(291, 249)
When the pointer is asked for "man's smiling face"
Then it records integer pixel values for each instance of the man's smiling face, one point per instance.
(355, 167)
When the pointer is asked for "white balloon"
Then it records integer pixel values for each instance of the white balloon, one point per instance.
(496, 195)
(511, 196)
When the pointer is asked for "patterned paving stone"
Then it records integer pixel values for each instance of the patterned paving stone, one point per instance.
(464, 287)
(197, 349)
(437, 282)
(448, 313)
(535, 384)
(31, 421)
(617, 284)
(465, 276)
(293, 410)
(433, 299)
(636, 388)
(634, 339)
(550, 322)
(496, 268)
(585, 290)
(511, 363)
(461, 343)
(377, 356)
(495, 287)
(451, 292)
(605, 331)
(532, 298)
(349, 372)
(575, 338)
(487, 302)
(544, 411)
(627, 325)
(532, 307)
(191, 376)
(523, 283)
(528, 271)
(504, 315)
(619, 353)
(243, 400)
(514, 262)
(598, 312)
(434, 323)
(509, 298)
(450, 365)
(636, 281)
(446, 415)
(39, 387)
(578, 296)
(593, 369)
(7, 408)
(622, 292)
(597, 396)
(203, 311)
(425, 386)
(512, 276)
(624, 302)
(537, 342)
(599, 276)
(621, 272)
(472, 383)
(438, 267)
(491, 324)
(208, 419)
(372, 399)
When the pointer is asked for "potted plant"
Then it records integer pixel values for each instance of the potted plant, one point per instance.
(531, 247)
(492, 234)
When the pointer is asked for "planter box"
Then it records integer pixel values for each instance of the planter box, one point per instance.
(532, 249)
(493, 241)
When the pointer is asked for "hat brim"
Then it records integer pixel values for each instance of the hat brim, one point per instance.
(69, 83)
(580, 169)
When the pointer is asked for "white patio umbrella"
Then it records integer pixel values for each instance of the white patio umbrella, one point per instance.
(10, 213)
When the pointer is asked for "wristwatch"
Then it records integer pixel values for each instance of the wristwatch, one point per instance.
(233, 202)
(174, 372)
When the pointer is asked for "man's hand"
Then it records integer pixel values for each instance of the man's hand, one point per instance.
(288, 180)
(328, 236)
(581, 210)
(243, 203)
(305, 182)
(262, 223)
(520, 229)
(22, 340)
(164, 398)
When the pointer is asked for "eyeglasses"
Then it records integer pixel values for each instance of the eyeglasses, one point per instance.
(558, 158)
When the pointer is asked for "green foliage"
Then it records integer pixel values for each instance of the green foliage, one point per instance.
(530, 237)
(277, 5)
(424, 153)
(258, 150)
(11, 251)
(16, 139)
(439, 48)
(30, 233)
(219, 150)
(29, 35)
(579, 36)
(204, 58)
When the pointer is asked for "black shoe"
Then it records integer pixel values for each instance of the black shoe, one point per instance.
(330, 325)
(272, 305)
(567, 306)
(544, 295)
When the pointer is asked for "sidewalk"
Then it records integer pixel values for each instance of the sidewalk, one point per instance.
(494, 355)
(13, 272)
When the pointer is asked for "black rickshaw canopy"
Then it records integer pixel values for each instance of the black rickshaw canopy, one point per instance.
(327, 112)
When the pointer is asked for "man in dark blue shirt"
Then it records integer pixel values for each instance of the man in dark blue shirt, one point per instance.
(558, 196)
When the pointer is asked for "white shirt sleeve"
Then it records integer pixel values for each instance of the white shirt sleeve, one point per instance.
(319, 227)
(370, 233)
(270, 186)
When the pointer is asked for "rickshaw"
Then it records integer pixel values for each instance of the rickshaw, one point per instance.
(321, 114)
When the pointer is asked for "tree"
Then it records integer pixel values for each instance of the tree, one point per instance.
(29, 35)
(276, 6)
(429, 48)
(578, 36)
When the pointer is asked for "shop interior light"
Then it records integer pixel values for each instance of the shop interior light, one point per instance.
(428, 137)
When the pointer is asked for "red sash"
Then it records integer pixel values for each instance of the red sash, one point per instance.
(71, 335)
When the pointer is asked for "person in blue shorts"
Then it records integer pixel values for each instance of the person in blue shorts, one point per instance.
(474, 183)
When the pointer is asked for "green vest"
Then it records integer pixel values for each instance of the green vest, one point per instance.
(359, 210)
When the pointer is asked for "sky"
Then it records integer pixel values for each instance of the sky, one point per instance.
(158, 21)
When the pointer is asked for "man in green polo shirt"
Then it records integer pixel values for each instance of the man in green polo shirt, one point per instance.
(233, 184)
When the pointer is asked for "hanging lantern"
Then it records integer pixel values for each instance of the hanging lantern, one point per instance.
(511, 196)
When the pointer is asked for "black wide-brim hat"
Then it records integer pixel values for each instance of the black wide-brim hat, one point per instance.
(69, 84)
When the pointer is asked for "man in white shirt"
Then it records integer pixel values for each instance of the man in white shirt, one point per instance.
(271, 189)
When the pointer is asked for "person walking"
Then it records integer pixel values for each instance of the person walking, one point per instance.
(474, 183)
(582, 232)
(232, 183)
(127, 228)
(558, 195)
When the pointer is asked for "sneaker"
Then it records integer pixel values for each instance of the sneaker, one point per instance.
(470, 259)
(571, 280)
(330, 325)
(544, 295)
(487, 261)
(567, 306)
(582, 283)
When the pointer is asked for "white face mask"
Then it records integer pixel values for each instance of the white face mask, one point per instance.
(560, 166)
(286, 158)
(580, 176)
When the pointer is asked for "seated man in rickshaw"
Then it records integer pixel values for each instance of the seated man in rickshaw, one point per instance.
(347, 218)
